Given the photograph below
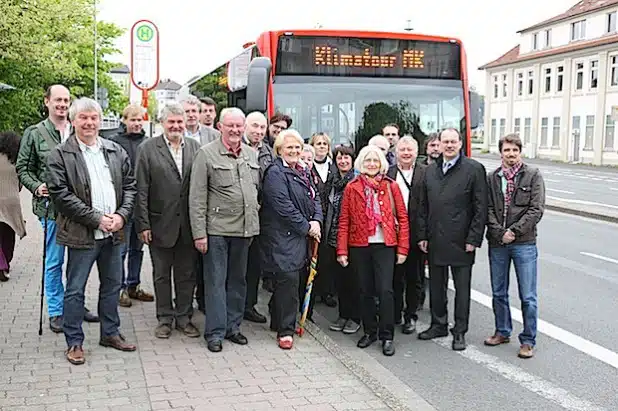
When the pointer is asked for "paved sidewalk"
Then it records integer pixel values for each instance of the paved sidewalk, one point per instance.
(176, 374)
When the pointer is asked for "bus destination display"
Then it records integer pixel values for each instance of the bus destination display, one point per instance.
(344, 56)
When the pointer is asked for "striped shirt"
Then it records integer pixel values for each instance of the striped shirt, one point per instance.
(176, 153)
(102, 191)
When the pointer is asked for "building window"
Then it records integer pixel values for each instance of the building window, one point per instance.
(578, 30)
(504, 85)
(527, 129)
(520, 84)
(559, 78)
(611, 22)
(535, 41)
(548, 80)
(547, 39)
(502, 127)
(530, 82)
(555, 140)
(495, 86)
(589, 132)
(614, 71)
(493, 131)
(544, 125)
(576, 123)
(594, 74)
(609, 133)
(579, 76)
(517, 126)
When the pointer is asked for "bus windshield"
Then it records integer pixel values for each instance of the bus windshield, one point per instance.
(353, 109)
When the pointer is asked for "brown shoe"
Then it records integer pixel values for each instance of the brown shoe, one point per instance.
(117, 342)
(124, 300)
(137, 293)
(496, 339)
(163, 331)
(75, 355)
(189, 330)
(526, 351)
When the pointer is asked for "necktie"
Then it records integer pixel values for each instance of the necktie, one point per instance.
(446, 167)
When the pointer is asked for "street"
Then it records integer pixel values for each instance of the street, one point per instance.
(571, 183)
(576, 361)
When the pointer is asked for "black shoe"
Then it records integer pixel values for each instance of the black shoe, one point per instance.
(459, 342)
(90, 317)
(215, 346)
(409, 326)
(388, 348)
(330, 301)
(55, 324)
(254, 316)
(267, 284)
(366, 340)
(432, 332)
(237, 338)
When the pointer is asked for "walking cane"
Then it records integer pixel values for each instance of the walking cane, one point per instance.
(43, 269)
(312, 273)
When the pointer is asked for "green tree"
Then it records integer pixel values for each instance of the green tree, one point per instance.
(43, 42)
(153, 107)
(213, 85)
(377, 115)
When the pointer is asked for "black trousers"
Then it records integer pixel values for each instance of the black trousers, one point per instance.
(421, 286)
(346, 285)
(253, 274)
(438, 286)
(199, 292)
(178, 261)
(373, 266)
(325, 282)
(405, 283)
(283, 303)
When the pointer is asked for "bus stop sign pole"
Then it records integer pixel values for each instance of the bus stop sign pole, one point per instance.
(145, 59)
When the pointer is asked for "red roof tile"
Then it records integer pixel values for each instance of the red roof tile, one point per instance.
(513, 56)
(583, 7)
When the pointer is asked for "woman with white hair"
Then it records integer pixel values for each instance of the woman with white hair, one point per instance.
(291, 214)
(373, 236)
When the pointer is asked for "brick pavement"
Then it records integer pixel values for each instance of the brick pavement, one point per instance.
(175, 374)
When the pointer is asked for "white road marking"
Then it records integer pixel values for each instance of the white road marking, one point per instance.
(581, 344)
(552, 181)
(570, 200)
(560, 191)
(599, 257)
(613, 189)
(523, 378)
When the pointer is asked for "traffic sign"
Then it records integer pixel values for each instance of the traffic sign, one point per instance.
(145, 55)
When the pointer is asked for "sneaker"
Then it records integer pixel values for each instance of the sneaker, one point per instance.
(338, 325)
(163, 331)
(285, 343)
(351, 327)
(124, 300)
(55, 324)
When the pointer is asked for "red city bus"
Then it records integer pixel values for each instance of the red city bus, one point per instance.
(349, 84)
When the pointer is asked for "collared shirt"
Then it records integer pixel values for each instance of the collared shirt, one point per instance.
(66, 132)
(404, 181)
(102, 191)
(447, 165)
(235, 152)
(176, 153)
(195, 136)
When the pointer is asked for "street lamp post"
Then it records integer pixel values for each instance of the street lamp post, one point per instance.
(96, 69)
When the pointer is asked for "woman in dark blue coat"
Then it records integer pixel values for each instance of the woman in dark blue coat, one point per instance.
(290, 215)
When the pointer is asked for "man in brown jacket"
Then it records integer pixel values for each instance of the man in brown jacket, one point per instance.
(223, 206)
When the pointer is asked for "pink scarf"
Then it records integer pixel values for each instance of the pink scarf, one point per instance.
(509, 174)
(372, 206)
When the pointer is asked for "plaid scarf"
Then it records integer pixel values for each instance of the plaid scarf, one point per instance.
(509, 174)
(372, 206)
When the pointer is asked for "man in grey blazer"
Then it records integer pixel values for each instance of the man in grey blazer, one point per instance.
(163, 172)
(194, 129)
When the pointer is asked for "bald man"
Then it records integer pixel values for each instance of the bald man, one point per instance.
(37, 143)
(255, 131)
(381, 142)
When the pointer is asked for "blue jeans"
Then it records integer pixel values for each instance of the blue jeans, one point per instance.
(132, 247)
(107, 257)
(225, 285)
(54, 259)
(524, 257)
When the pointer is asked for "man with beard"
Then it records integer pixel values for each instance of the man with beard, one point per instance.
(38, 141)
(432, 148)
(130, 138)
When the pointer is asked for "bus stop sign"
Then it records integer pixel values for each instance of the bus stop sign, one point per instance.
(145, 55)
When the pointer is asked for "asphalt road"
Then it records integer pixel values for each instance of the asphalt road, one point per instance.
(571, 182)
(576, 365)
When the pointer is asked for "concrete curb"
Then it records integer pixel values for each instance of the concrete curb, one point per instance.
(384, 384)
(582, 213)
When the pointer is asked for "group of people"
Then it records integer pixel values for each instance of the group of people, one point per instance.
(221, 208)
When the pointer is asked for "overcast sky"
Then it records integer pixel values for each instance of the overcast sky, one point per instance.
(196, 37)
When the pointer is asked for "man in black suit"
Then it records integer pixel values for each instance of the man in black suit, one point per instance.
(451, 223)
(410, 176)
(163, 174)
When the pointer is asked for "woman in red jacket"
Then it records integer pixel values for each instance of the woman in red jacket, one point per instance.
(373, 236)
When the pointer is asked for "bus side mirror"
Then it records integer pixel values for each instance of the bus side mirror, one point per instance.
(258, 78)
(475, 109)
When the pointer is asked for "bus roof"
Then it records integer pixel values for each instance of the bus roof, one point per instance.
(396, 35)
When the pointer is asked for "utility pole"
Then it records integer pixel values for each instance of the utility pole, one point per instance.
(96, 65)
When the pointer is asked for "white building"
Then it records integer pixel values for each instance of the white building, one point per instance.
(557, 88)
(122, 77)
(165, 92)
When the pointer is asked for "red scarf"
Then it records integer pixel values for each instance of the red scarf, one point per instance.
(372, 205)
(509, 174)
